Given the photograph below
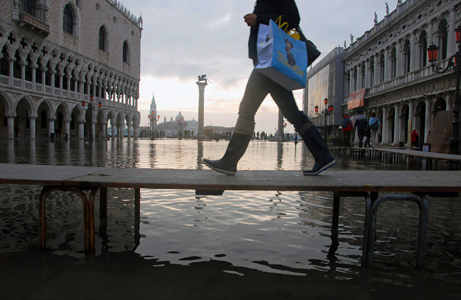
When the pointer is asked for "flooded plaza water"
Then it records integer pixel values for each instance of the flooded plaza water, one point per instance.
(249, 240)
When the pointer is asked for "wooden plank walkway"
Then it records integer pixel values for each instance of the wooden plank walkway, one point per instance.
(86, 181)
(392, 155)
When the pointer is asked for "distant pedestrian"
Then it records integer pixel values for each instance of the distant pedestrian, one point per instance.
(414, 138)
(374, 124)
(361, 124)
(346, 127)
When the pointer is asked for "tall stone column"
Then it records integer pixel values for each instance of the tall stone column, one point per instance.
(280, 126)
(202, 83)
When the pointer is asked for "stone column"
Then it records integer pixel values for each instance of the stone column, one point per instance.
(34, 75)
(61, 79)
(413, 51)
(81, 129)
(411, 113)
(11, 125)
(51, 126)
(67, 127)
(428, 118)
(23, 73)
(384, 129)
(377, 78)
(201, 111)
(32, 125)
(11, 70)
(398, 59)
(43, 69)
(104, 130)
(93, 130)
(451, 43)
(396, 124)
(386, 65)
(113, 125)
(135, 132)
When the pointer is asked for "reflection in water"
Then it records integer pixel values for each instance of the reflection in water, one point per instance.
(273, 232)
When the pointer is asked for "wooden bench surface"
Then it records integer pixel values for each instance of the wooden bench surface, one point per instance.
(331, 180)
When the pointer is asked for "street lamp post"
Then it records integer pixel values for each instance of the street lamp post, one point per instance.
(454, 62)
(325, 112)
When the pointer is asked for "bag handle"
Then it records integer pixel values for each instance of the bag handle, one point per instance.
(281, 25)
(285, 27)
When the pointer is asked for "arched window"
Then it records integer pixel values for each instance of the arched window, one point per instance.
(126, 52)
(68, 20)
(102, 39)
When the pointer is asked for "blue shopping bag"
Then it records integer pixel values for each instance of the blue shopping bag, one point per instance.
(281, 57)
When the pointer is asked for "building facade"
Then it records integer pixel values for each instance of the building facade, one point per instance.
(325, 81)
(69, 68)
(177, 127)
(387, 71)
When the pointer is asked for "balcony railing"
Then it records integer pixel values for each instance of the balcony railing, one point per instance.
(65, 94)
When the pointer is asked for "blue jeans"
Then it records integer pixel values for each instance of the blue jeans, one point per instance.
(257, 88)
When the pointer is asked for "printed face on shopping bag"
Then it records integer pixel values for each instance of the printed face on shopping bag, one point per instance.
(290, 57)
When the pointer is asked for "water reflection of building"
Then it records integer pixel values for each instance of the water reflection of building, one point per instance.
(56, 55)
(387, 71)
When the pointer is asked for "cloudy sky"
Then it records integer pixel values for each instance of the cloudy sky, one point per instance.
(186, 38)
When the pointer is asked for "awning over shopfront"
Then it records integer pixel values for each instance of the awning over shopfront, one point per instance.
(356, 99)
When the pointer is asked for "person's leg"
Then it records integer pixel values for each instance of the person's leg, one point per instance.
(309, 133)
(361, 134)
(373, 138)
(256, 90)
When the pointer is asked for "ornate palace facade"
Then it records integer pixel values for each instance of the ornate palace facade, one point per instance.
(68, 67)
(389, 65)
